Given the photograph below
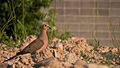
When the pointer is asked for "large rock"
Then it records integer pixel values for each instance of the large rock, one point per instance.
(80, 64)
(55, 64)
(97, 66)
(44, 62)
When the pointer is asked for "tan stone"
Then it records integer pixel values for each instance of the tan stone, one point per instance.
(80, 64)
(67, 65)
(55, 64)
(75, 50)
(47, 53)
(71, 58)
(25, 58)
(75, 38)
(4, 65)
(114, 50)
(60, 57)
(83, 40)
(102, 66)
(104, 49)
(92, 66)
(44, 62)
(55, 53)
(60, 47)
(55, 40)
(19, 65)
(97, 66)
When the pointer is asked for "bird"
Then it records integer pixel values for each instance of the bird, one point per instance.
(38, 45)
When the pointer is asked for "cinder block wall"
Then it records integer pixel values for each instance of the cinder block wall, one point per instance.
(92, 19)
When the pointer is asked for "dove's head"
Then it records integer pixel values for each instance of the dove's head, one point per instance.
(45, 26)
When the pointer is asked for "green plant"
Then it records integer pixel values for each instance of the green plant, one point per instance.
(19, 18)
(87, 57)
(53, 32)
(51, 21)
(96, 44)
(65, 35)
(109, 57)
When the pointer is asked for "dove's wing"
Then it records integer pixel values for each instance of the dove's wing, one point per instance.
(33, 46)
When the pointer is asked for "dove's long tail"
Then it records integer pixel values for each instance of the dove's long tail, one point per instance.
(19, 53)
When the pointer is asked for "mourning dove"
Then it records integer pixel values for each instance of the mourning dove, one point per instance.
(37, 45)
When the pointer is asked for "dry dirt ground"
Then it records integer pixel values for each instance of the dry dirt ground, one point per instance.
(74, 52)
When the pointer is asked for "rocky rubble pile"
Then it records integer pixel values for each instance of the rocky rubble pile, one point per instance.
(74, 52)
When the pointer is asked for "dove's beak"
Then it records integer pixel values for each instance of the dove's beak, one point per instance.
(49, 27)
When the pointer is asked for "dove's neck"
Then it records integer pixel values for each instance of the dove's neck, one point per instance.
(43, 35)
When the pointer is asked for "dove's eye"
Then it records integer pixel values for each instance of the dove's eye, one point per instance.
(45, 25)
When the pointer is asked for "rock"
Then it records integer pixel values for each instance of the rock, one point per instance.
(38, 56)
(58, 55)
(92, 66)
(104, 49)
(76, 39)
(67, 54)
(89, 48)
(114, 66)
(44, 62)
(55, 53)
(102, 66)
(71, 58)
(59, 47)
(97, 66)
(55, 64)
(47, 53)
(18, 65)
(26, 59)
(75, 50)
(61, 57)
(82, 40)
(67, 64)
(5, 65)
(55, 40)
(114, 50)
(80, 64)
